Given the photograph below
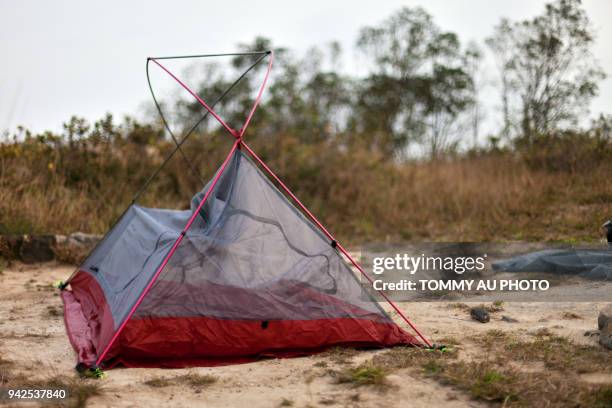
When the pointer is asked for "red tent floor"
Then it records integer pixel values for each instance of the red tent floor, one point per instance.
(205, 341)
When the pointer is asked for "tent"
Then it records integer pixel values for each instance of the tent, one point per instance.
(243, 274)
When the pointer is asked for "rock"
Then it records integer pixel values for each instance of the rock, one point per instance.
(37, 248)
(605, 317)
(509, 319)
(74, 248)
(9, 246)
(480, 314)
(43, 248)
(605, 337)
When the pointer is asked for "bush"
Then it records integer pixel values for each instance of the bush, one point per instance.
(554, 188)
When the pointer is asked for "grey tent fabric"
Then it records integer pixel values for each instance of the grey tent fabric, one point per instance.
(249, 255)
(588, 263)
(127, 259)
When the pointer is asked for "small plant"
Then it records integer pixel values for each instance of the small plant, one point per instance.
(196, 380)
(602, 397)
(3, 265)
(52, 311)
(543, 332)
(497, 306)
(459, 306)
(432, 367)
(340, 355)
(191, 379)
(571, 316)
(492, 376)
(448, 341)
(79, 391)
(158, 382)
(5, 373)
(365, 374)
(286, 403)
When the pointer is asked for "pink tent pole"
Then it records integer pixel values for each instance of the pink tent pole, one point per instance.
(330, 236)
(236, 134)
(172, 250)
(259, 94)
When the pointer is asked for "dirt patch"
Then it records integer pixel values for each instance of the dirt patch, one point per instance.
(498, 358)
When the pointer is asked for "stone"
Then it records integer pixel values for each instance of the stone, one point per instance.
(480, 314)
(74, 248)
(605, 317)
(37, 248)
(509, 319)
(9, 246)
(605, 337)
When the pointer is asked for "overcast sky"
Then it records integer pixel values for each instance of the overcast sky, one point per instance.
(63, 58)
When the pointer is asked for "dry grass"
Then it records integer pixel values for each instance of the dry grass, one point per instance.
(340, 355)
(448, 341)
(497, 306)
(196, 380)
(191, 379)
(499, 376)
(494, 196)
(571, 316)
(5, 367)
(79, 390)
(53, 312)
(557, 353)
(3, 264)
(365, 374)
(286, 403)
(159, 382)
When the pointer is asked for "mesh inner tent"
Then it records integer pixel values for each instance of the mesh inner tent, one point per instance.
(251, 255)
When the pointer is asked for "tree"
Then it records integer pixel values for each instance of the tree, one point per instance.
(473, 59)
(547, 67)
(417, 85)
(499, 43)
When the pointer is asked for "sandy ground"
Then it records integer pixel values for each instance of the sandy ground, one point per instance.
(30, 336)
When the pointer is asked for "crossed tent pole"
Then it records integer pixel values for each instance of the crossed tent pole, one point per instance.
(239, 143)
